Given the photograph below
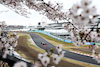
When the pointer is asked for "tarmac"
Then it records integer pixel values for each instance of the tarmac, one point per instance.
(38, 40)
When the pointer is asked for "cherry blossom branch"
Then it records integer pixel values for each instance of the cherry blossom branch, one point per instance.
(38, 5)
(72, 25)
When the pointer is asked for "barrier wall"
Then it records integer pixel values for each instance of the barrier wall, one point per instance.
(49, 34)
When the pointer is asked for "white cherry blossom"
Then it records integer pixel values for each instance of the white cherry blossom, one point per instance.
(75, 8)
(40, 56)
(52, 66)
(15, 44)
(61, 54)
(93, 53)
(20, 64)
(96, 58)
(3, 39)
(85, 3)
(59, 48)
(5, 54)
(7, 45)
(45, 54)
(45, 61)
(1, 45)
(89, 11)
(56, 59)
(93, 34)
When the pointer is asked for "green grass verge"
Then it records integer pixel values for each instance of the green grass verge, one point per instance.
(66, 45)
(50, 38)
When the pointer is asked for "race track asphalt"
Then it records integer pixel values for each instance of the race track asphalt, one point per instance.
(38, 40)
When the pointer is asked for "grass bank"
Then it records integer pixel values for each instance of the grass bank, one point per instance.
(54, 41)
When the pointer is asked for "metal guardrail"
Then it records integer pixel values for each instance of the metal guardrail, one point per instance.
(11, 60)
(22, 58)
